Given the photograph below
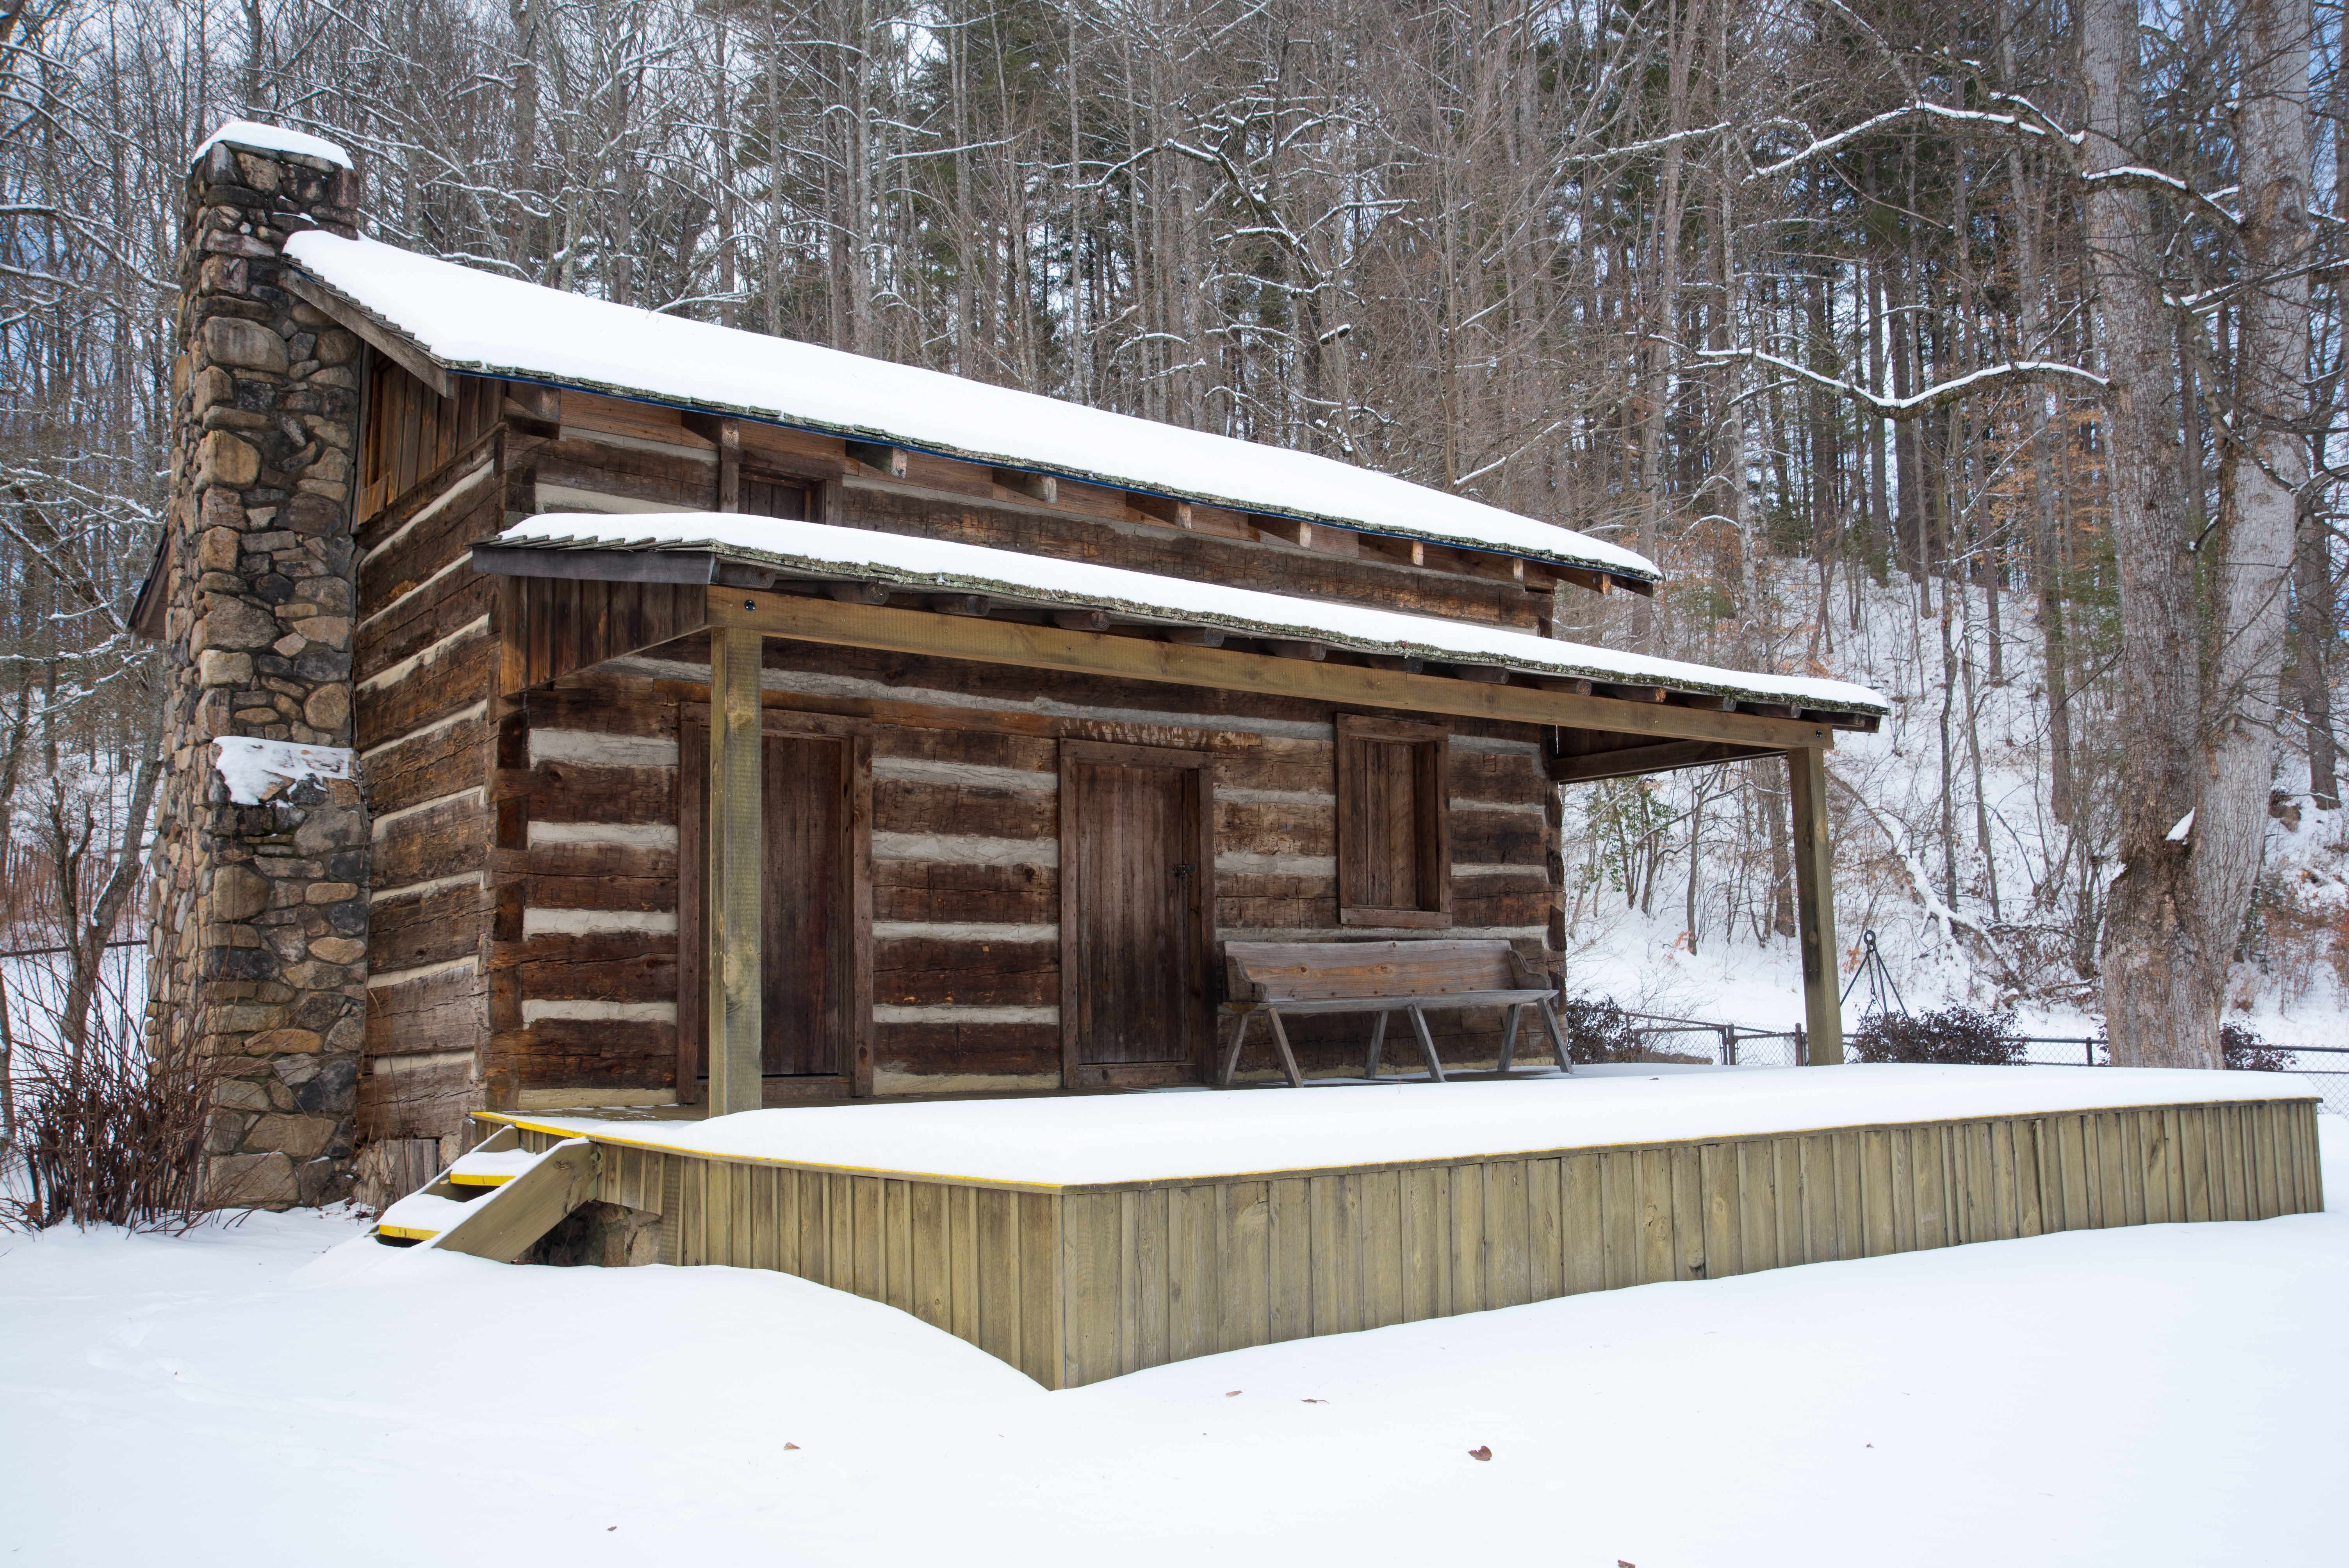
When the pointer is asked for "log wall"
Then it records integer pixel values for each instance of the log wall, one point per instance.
(435, 478)
(965, 936)
(1074, 1284)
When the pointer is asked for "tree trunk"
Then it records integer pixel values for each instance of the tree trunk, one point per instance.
(2163, 966)
(2311, 670)
(2266, 465)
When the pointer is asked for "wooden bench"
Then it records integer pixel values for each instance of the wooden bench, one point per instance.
(1274, 978)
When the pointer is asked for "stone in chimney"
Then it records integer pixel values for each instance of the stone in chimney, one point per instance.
(259, 905)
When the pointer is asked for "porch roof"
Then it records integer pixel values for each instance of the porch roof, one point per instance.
(691, 547)
(444, 317)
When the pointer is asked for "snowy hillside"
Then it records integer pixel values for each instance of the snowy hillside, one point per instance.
(1964, 762)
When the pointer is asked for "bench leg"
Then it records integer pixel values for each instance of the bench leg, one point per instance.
(1377, 1043)
(1232, 1056)
(1426, 1044)
(1557, 1035)
(1509, 1035)
(1280, 1038)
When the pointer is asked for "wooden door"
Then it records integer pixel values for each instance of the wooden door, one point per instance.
(812, 997)
(1136, 873)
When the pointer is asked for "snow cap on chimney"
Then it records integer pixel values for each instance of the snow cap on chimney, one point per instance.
(254, 137)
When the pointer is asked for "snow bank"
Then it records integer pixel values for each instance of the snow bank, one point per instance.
(269, 1393)
(476, 322)
(255, 137)
(255, 771)
(1205, 1134)
(826, 549)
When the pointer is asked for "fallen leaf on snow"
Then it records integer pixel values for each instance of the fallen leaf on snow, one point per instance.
(1313, 1401)
(1480, 1453)
(790, 1445)
(1232, 1395)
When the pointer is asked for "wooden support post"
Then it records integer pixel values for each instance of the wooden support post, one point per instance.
(729, 465)
(737, 798)
(1807, 773)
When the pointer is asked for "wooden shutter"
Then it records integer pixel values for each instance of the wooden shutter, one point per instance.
(1394, 837)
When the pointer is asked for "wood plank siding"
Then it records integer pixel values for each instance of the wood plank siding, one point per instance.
(1075, 1284)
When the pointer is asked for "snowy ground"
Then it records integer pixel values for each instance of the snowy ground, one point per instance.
(2162, 1394)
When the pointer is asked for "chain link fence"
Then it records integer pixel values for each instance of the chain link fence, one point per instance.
(1697, 1040)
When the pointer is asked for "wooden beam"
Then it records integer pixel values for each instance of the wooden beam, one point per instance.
(1161, 508)
(737, 868)
(858, 592)
(527, 561)
(890, 460)
(1284, 649)
(1631, 761)
(1487, 673)
(961, 604)
(1194, 636)
(383, 339)
(1293, 531)
(1634, 692)
(1807, 773)
(1080, 620)
(813, 620)
(1035, 487)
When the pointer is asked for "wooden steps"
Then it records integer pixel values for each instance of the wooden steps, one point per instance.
(497, 1201)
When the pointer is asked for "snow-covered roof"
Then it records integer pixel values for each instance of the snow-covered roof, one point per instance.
(479, 322)
(255, 137)
(1163, 1137)
(826, 551)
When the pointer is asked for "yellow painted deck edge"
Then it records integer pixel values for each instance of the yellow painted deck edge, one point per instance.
(406, 1232)
(1138, 1183)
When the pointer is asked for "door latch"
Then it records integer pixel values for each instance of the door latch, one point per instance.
(1186, 869)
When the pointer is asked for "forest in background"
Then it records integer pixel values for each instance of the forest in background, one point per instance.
(1847, 314)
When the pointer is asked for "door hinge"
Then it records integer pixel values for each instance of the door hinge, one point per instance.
(1186, 869)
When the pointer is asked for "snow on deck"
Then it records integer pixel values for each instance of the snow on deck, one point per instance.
(475, 321)
(827, 550)
(1202, 1135)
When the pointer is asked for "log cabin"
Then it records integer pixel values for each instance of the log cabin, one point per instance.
(572, 707)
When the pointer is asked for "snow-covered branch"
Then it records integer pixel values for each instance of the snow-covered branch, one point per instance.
(1937, 396)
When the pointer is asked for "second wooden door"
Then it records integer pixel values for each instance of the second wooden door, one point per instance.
(1135, 873)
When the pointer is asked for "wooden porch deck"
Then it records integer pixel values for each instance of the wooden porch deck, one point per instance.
(1076, 1281)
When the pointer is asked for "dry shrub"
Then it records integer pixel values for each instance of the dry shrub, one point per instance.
(2240, 1047)
(105, 1134)
(1953, 1035)
(1597, 1030)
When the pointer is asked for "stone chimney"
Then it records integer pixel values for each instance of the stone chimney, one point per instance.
(259, 905)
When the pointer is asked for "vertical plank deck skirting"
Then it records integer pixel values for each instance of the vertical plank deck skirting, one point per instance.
(1073, 1285)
